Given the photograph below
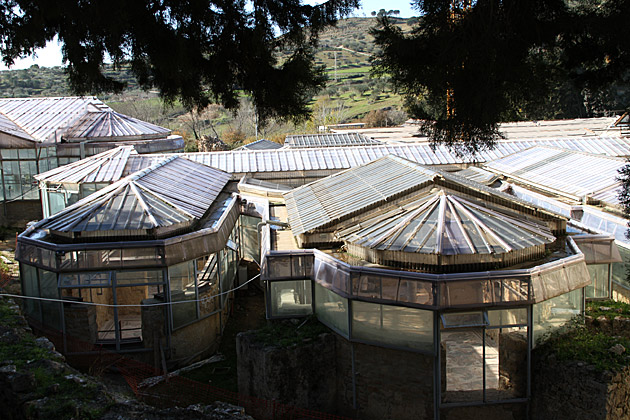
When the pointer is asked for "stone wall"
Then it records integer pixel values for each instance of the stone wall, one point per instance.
(19, 213)
(619, 325)
(80, 321)
(574, 390)
(318, 375)
(302, 376)
(620, 293)
(487, 412)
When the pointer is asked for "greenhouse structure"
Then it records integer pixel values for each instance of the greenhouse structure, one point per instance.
(39, 134)
(396, 248)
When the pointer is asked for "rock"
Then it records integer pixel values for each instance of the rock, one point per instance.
(617, 349)
(76, 379)
(8, 369)
(45, 343)
(605, 308)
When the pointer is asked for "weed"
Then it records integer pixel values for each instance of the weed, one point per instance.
(575, 342)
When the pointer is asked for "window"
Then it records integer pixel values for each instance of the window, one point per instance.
(484, 355)
(290, 298)
(393, 325)
(183, 293)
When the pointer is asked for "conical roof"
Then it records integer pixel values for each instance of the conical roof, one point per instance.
(109, 125)
(443, 227)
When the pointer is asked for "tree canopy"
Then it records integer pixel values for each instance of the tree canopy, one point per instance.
(466, 66)
(197, 51)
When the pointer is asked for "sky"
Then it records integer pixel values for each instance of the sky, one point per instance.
(50, 56)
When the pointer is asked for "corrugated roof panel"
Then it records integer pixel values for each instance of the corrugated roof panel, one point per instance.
(261, 144)
(173, 191)
(329, 140)
(346, 192)
(569, 173)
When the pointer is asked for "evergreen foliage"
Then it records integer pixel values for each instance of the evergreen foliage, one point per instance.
(197, 51)
(467, 66)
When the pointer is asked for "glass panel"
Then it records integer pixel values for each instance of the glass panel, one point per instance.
(464, 319)
(514, 289)
(517, 316)
(72, 280)
(369, 286)
(30, 288)
(249, 238)
(331, 309)
(469, 292)
(462, 365)
(182, 281)
(27, 154)
(208, 284)
(302, 266)
(510, 345)
(30, 189)
(554, 313)
(279, 266)
(12, 183)
(56, 202)
(87, 189)
(599, 281)
(51, 311)
(129, 311)
(141, 256)
(392, 325)
(620, 270)
(324, 271)
(414, 291)
(124, 278)
(9, 153)
(291, 298)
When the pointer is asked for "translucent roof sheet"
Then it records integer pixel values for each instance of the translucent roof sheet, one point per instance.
(102, 167)
(569, 173)
(478, 175)
(173, 191)
(347, 193)
(261, 144)
(41, 118)
(447, 224)
(108, 124)
(323, 201)
(329, 140)
(339, 158)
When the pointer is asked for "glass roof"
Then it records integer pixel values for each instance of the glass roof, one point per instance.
(447, 224)
(172, 192)
(329, 140)
(328, 199)
(569, 173)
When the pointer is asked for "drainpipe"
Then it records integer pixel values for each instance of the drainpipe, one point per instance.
(283, 225)
(82, 149)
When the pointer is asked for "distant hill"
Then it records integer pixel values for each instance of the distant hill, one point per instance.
(350, 41)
